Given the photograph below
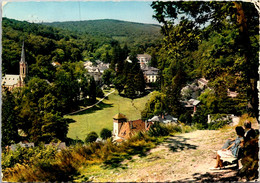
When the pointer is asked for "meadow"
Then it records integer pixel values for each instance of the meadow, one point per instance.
(101, 115)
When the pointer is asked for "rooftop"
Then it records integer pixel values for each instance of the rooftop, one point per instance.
(119, 116)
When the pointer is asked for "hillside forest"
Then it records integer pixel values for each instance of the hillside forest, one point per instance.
(218, 41)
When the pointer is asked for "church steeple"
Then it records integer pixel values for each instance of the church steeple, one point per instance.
(23, 66)
(22, 54)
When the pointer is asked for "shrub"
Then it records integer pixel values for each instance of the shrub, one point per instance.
(91, 137)
(105, 133)
(158, 129)
(186, 118)
(173, 128)
(217, 125)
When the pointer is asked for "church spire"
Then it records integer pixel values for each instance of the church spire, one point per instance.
(23, 67)
(22, 54)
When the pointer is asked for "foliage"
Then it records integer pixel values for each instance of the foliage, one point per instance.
(158, 129)
(50, 164)
(91, 137)
(105, 133)
(9, 119)
(134, 34)
(155, 106)
(250, 160)
(215, 40)
(186, 118)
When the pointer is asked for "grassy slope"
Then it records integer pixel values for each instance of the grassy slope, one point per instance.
(101, 116)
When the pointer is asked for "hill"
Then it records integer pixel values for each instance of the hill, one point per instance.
(71, 41)
(122, 31)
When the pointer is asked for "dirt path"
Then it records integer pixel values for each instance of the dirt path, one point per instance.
(88, 107)
(186, 157)
(181, 158)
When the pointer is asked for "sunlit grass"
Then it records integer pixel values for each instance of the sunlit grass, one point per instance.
(101, 116)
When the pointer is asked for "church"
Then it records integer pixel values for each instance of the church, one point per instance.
(11, 81)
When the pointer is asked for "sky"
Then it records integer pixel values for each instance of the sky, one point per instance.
(53, 11)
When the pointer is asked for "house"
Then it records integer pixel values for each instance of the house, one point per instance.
(13, 147)
(11, 81)
(232, 94)
(151, 74)
(143, 59)
(123, 129)
(202, 82)
(96, 71)
(166, 119)
(56, 64)
(191, 104)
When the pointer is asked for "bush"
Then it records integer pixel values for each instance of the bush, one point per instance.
(217, 125)
(158, 129)
(91, 137)
(186, 118)
(105, 133)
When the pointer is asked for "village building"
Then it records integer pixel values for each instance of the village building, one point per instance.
(56, 64)
(191, 104)
(151, 74)
(166, 119)
(96, 71)
(202, 82)
(123, 129)
(143, 59)
(232, 94)
(13, 147)
(11, 81)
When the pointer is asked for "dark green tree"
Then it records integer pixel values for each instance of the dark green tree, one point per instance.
(9, 119)
(105, 133)
(92, 89)
(91, 137)
(107, 76)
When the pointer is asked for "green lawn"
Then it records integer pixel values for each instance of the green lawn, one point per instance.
(101, 116)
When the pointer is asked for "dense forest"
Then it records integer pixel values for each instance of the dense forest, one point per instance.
(133, 34)
(65, 44)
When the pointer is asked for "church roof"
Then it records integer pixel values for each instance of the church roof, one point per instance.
(119, 116)
(131, 127)
(10, 79)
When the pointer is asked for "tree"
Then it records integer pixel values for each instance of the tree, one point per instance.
(91, 137)
(240, 16)
(155, 106)
(130, 86)
(119, 83)
(9, 119)
(40, 112)
(107, 76)
(105, 133)
(92, 89)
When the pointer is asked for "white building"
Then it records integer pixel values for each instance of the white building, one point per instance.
(144, 59)
(151, 74)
